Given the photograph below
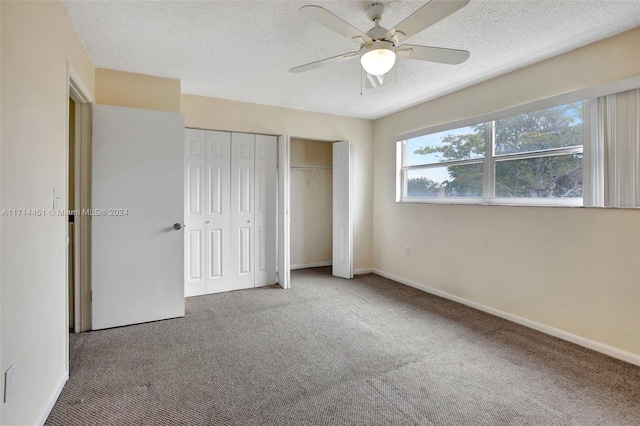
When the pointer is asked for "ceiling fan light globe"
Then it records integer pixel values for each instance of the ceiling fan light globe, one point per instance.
(378, 61)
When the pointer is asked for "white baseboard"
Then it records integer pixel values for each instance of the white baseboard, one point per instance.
(362, 271)
(54, 397)
(556, 332)
(311, 265)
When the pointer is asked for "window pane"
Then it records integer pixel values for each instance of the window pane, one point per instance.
(556, 127)
(451, 181)
(458, 144)
(546, 177)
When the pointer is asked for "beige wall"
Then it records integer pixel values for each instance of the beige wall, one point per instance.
(311, 203)
(574, 269)
(220, 114)
(127, 89)
(37, 41)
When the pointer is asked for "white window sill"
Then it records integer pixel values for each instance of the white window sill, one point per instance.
(523, 202)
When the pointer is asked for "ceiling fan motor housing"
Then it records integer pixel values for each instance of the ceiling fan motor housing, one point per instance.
(377, 33)
(377, 44)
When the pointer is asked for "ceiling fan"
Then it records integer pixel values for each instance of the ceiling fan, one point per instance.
(380, 46)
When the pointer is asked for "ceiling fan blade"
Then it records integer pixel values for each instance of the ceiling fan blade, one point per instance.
(432, 54)
(323, 62)
(325, 18)
(424, 17)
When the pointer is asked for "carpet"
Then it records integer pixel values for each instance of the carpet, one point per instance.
(367, 351)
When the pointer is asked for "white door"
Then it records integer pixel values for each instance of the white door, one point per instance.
(242, 210)
(342, 209)
(284, 218)
(266, 207)
(137, 254)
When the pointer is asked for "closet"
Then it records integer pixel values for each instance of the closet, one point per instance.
(230, 211)
(311, 203)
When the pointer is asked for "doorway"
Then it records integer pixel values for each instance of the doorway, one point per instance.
(78, 189)
(71, 184)
(311, 203)
(321, 205)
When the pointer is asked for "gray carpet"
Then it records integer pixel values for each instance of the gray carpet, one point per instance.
(367, 351)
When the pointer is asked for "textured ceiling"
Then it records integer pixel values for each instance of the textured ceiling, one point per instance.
(242, 50)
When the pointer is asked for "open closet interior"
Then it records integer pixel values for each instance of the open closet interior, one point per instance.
(311, 203)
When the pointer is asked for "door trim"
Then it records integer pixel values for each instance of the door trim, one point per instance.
(82, 96)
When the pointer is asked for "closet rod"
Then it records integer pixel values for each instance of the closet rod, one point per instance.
(312, 167)
(313, 172)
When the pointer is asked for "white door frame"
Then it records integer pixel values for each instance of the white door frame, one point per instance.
(82, 96)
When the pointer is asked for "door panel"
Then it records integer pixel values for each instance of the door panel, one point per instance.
(214, 183)
(194, 213)
(218, 215)
(245, 250)
(138, 257)
(342, 210)
(242, 210)
(215, 253)
(194, 248)
(266, 206)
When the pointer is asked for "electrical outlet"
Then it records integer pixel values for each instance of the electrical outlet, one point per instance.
(407, 251)
(10, 381)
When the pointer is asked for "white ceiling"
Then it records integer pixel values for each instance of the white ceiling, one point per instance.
(242, 50)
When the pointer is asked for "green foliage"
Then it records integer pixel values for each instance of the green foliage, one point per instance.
(423, 187)
(553, 176)
(466, 181)
(559, 176)
(462, 147)
(550, 128)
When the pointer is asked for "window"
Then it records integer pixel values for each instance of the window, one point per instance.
(531, 158)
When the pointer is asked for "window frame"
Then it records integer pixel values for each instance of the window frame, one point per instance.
(489, 161)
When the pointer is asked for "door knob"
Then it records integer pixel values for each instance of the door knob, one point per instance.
(249, 221)
(208, 221)
(177, 226)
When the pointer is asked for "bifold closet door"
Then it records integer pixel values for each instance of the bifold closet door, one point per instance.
(266, 174)
(207, 215)
(217, 225)
(230, 215)
(342, 262)
(284, 217)
(195, 158)
(242, 210)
